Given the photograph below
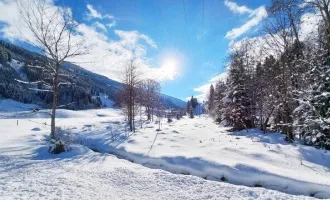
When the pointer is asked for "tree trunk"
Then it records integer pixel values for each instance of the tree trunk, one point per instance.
(288, 126)
(264, 125)
(152, 114)
(54, 105)
(149, 113)
(133, 109)
(140, 116)
(324, 10)
(130, 116)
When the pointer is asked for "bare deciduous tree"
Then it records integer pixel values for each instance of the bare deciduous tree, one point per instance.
(150, 98)
(129, 94)
(53, 30)
(282, 30)
(323, 6)
(290, 11)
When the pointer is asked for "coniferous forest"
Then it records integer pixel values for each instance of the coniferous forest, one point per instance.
(280, 81)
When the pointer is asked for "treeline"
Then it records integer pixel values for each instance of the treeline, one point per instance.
(284, 87)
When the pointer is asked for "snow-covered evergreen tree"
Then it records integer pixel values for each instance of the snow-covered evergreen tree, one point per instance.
(312, 116)
(210, 101)
(237, 112)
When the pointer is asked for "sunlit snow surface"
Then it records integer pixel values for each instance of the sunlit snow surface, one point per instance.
(196, 147)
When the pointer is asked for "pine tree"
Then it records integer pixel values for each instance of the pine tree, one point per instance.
(194, 102)
(266, 91)
(313, 112)
(219, 101)
(237, 112)
(210, 101)
(188, 106)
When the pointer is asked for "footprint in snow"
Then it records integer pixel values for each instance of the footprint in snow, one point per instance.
(101, 115)
(131, 141)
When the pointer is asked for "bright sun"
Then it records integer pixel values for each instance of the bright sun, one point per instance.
(170, 68)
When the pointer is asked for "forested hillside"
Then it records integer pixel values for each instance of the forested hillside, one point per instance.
(22, 79)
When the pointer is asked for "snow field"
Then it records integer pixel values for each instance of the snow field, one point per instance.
(246, 158)
(27, 171)
(189, 146)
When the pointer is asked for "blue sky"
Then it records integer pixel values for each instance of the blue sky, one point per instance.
(194, 33)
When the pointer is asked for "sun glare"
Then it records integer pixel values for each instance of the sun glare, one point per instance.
(170, 68)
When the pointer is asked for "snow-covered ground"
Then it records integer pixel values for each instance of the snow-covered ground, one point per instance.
(196, 147)
(106, 102)
(18, 68)
(8, 105)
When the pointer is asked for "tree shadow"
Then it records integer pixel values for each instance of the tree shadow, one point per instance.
(153, 142)
(76, 154)
(257, 135)
(100, 140)
(307, 153)
(316, 156)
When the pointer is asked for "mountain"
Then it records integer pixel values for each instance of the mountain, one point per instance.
(168, 101)
(172, 102)
(20, 75)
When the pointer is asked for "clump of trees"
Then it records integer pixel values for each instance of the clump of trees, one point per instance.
(191, 106)
(285, 86)
(149, 96)
(4, 55)
(137, 94)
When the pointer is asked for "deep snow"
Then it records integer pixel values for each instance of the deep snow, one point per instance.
(199, 147)
(188, 146)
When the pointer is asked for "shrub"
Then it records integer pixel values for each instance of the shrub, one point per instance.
(62, 141)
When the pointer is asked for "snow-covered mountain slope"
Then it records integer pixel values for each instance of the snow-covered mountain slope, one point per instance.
(8, 105)
(105, 101)
(168, 101)
(16, 78)
(28, 171)
(172, 102)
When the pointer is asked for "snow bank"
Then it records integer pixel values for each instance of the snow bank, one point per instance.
(9, 105)
(95, 176)
(10, 109)
(242, 175)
